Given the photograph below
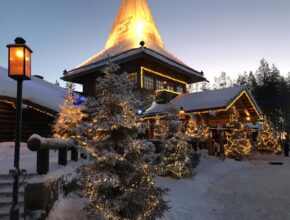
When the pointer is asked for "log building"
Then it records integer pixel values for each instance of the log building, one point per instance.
(40, 106)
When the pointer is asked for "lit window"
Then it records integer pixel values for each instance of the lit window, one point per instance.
(159, 84)
(148, 82)
(179, 89)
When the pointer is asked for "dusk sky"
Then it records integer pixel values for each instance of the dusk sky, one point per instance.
(209, 35)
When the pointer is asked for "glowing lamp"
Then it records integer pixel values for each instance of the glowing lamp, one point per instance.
(181, 113)
(248, 118)
(19, 60)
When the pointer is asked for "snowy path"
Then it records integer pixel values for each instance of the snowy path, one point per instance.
(247, 190)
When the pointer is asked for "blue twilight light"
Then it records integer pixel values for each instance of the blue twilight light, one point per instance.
(79, 99)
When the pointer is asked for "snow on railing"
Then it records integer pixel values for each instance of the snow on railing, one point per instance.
(43, 145)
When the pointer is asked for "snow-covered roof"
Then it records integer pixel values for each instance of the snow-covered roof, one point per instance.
(101, 60)
(36, 90)
(207, 100)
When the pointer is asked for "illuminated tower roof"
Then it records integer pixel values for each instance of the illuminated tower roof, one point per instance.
(133, 24)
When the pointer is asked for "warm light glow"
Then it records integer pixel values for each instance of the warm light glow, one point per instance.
(133, 24)
(19, 53)
(158, 74)
(248, 118)
(167, 90)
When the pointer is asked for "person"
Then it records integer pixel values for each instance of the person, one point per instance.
(286, 146)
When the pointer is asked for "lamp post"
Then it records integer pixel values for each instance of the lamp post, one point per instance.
(19, 69)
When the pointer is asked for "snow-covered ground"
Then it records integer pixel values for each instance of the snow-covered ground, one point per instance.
(247, 190)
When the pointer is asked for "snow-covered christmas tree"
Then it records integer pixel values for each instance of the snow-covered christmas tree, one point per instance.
(69, 117)
(197, 130)
(160, 128)
(237, 145)
(267, 142)
(119, 182)
(174, 157)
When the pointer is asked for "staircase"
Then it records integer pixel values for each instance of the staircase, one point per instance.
(6, 188)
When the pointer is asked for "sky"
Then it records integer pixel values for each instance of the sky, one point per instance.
(208, 35)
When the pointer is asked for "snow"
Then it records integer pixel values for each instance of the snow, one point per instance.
(27, 158)
(220, 190)
(36, 90)
(247, 190)
(68, 208)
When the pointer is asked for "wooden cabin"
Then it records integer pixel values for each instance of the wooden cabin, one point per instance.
(41, 100)
(212, 106)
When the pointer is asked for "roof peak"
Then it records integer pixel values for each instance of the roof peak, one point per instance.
(134, 23)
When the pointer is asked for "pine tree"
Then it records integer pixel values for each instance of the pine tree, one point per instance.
(237, 145)
(197, 130)
(69, 117)
(267, 142)
(119, 182)
(160, 128)
(174, 157)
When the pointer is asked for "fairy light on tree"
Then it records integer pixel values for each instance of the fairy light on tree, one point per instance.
(69, 117)
(267, 141)
(197, 130)
(119, 182)
(160, 128)
(174, 157)
(237, 145)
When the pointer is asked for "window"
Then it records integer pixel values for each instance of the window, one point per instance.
(132, 78)
(159, 84)
(170, 86)
(179, 89)
(148, 82)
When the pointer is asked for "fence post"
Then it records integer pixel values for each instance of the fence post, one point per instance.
(62, 157)
(42, 161)
(74, 154)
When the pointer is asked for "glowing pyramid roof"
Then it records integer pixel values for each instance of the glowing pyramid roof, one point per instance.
(133, 24)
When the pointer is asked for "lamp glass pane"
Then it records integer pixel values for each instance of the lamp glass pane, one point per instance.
(16, 61)
(27, 63)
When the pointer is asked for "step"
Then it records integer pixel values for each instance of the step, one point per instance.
(10, 177)
(9, 188)
(9, 194)
(5, 199)
(4, 214)
(5, 204)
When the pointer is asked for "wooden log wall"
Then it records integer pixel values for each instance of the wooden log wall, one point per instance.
(32, 122)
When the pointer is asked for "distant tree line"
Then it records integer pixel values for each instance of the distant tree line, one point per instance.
(270, 89)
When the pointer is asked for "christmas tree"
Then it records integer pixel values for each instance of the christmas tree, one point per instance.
(197, 130)
(69, 117)
(237, 145)
(174, 157)
(160, 128)
(119, 182)
(267, 142)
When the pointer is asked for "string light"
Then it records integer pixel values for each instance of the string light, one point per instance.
(158, 74)
(28, 106)
(237, 145)
(267, 141)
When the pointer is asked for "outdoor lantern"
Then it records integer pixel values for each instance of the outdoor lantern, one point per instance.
(19, 60)
(181, 113)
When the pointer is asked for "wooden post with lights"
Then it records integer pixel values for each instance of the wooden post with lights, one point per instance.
(19, 69)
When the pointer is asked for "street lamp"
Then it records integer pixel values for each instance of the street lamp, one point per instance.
(19, 69)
